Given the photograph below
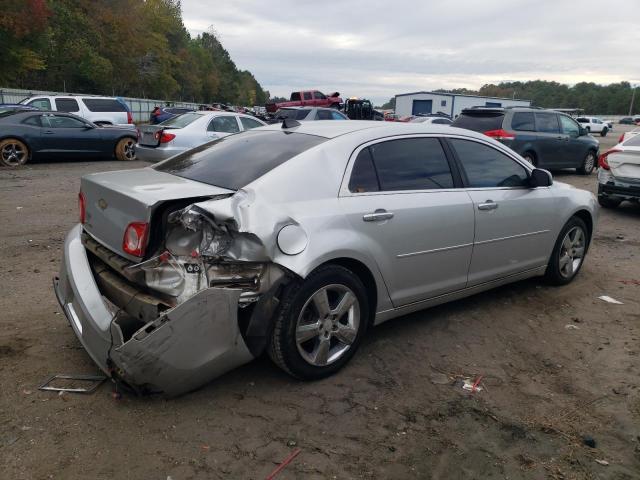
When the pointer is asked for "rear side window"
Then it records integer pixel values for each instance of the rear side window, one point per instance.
(40, 104)
(237, 160)
(34, 121)
(483, 122)
(307, 95)
(547, 123)
(363, 176)
(411, 164)
(323, 115)
(442, 121)
(103, 105)
(337, 115)
(67, 105)
(523, 121)
(293, 113)
(487, 167)
(295, 96)
(249, 123)
(319, 96)
(226, 124)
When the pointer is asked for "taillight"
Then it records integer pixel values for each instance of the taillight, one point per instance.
(163, 137)
(82, 207)
(134, 241)
(602, 159)
(621, 139)
(129, 117)
(500, 134)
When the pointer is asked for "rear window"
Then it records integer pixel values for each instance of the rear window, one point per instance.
(237, 160)
(178, 111)
(181, 120)
(480, 122)
(104, 105)
(293, 113)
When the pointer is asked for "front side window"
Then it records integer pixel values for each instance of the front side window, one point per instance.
(547, 123)
(319, 96)
(569, 127)
(323, 115)
(523, 121)
(59, 121)
(363, 176)
(67, 105)
(411, 164)
(249, 123)
(225, 123)
(307, 95)
(40, 104)
(487, 167)
(295, 96)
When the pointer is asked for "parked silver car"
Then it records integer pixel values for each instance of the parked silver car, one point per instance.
(189, 130)
(297, 240)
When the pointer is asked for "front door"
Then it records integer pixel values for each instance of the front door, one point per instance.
(403, 199)
(63, 134)
(513, 221)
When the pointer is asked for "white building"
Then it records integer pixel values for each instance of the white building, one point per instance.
(450, 103)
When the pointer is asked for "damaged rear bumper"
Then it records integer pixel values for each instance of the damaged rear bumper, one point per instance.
(183, 348)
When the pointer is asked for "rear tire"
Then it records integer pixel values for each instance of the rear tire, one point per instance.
(310, 342)
(13, 152)
(588, 164)
(609, 202)
(568, 253)
(126, 149)
(604, 131)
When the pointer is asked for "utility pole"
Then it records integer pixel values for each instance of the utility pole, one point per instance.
(633, 97)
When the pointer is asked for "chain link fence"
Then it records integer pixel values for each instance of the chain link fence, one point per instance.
(140, 107)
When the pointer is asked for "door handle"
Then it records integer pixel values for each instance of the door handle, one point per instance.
(378, 215)
(48, 132)
(488, 205)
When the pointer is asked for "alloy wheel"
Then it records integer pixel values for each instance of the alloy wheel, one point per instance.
(13, 154)
(572, 252)
(327, 325)
(130, 150)
(589, 162)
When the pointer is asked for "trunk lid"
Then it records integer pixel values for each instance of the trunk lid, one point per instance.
(150, 135)
(115, 199)
(625, 164)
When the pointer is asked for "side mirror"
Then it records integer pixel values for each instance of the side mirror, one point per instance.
(582, 132)
(540, 178)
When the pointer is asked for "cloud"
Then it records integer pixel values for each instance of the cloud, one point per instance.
(377, 49)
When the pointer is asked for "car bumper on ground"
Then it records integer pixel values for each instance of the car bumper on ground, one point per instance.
(183, 348)
(151, 154)
(610, 186)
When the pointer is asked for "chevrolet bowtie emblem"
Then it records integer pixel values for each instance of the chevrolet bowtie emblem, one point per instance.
(102, 204)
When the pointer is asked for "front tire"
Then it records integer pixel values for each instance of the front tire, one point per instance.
(126, 149)
(609, 202)
(320, 323)
(13, 152)
(588, 164)
(603, 132)
(568, 253)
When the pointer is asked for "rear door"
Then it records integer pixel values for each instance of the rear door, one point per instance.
(402, 197)
(223, 125)
(574, 149)
(513, 222)
(550, 141)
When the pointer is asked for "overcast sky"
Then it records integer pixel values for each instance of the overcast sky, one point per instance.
(376, 49)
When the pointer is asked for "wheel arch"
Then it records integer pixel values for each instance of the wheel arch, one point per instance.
(586, 217)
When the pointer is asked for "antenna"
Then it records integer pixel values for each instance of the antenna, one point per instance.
(290, 123)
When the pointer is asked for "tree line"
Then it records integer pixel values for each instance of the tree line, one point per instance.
(612, 99)
(137, 48)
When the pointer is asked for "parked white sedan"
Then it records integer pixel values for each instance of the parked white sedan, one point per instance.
(187, 131)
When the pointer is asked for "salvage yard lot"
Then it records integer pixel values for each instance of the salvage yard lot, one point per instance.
(557, 364)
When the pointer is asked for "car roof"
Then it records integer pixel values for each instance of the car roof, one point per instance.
(335, 129)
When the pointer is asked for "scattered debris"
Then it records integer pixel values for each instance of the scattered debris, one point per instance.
(602, 462)
(291, 443)
(608, 299)
(472, 386)
(63, 395)
(569, 326)
(440, 379)
(589, 441)
(284, 463)
(96, 379)
(632, 281)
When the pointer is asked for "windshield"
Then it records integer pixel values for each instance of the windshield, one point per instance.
(237, 160)
(293, 113)
(181, 120)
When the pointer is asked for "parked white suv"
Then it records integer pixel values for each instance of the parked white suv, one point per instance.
(99, 110)
(594, 125)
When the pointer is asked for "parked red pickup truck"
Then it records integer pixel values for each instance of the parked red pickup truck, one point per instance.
(308, 98)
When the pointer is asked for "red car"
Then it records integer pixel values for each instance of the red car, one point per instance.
(308, 98)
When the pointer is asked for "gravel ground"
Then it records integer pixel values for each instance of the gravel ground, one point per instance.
(557, 365)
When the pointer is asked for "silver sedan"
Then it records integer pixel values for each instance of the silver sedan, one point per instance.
(189, 130)
(297, 240)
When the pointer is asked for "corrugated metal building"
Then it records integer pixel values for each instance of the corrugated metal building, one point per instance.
(449, 103)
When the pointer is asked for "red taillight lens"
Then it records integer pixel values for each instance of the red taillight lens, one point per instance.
(500, 134)
(134, 241)
(602, 159)
(621, 139)
(129, 117)
(82, 207)
(163, 137)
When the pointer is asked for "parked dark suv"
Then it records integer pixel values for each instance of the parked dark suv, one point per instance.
(545, 138)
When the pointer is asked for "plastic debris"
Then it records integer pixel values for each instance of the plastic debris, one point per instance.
(602, 462)
(571, 327)
(608, 299)
(284, 463)
(589, 441)
(472, 386)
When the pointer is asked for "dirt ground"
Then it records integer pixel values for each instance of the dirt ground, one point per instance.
(557, 365)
